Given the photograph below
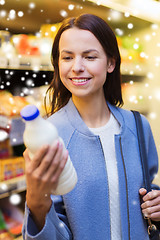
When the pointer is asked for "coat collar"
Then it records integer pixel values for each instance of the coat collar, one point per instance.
(78, 123)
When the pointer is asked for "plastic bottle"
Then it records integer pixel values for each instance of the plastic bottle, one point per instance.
(38, 132)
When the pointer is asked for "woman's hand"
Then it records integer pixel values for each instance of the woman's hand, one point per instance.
(151, 204)
(42, 175)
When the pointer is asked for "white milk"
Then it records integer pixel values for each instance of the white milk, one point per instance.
(38, 132)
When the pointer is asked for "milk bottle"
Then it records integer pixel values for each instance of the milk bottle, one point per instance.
(39, 131)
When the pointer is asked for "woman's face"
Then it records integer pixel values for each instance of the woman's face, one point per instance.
(83, 64)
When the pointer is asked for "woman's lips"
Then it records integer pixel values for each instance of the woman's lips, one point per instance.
(79, 81)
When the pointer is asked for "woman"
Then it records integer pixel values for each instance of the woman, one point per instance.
(102, 143)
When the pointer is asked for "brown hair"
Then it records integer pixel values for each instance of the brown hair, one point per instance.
(59, 94)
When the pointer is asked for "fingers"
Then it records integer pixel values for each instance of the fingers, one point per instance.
(142, 191)
(47, 163)
(57, 163)
(151, 195)
(44, 169)
(36, 160)
(152, 212)
(41, 159)
(53, 154)
(151, 205)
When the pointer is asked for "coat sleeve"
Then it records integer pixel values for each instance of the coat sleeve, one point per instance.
(56, 224)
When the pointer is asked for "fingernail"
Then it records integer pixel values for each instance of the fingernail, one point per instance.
(57, 143)
(60, 145)
(141, 191)
(66, 153)
(145, 215)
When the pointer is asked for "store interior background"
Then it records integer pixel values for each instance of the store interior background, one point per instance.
(136, 24)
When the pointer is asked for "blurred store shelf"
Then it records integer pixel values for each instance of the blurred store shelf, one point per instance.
(13, 185)
(19, 238)
(138, 69)
(35, 63)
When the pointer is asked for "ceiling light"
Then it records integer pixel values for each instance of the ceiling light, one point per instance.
(32, 5)
(98, 3)
(3, 13)
(12, 14)
(70, 6)
(130, 25)
(63, 13)
(20, 14)
(2, 2)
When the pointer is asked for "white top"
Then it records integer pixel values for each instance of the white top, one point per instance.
(106, 134)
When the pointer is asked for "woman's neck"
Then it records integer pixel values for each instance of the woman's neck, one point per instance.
(95, 113)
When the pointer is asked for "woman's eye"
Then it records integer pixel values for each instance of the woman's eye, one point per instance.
(67, 58)
(91, 57)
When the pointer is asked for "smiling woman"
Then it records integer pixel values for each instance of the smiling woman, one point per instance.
(99, 136)
(101, 140)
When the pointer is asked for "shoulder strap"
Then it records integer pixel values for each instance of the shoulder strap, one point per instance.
(142, 149)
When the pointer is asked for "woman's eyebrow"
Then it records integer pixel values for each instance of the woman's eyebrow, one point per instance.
(90, 50)
(85, 52)
(66, 51)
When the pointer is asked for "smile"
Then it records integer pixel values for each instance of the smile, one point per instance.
(80, 80)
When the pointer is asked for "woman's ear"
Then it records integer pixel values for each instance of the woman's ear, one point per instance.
(111, 65)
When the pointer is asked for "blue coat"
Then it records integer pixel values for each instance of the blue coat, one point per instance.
(84, 214)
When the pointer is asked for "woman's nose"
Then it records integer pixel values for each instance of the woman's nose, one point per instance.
(78, 65)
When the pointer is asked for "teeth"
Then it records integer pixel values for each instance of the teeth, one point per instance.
(79, 80)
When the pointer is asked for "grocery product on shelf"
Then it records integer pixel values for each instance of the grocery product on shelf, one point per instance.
(9, 118)
(24, 46)
(11, 168)
(7, 48)
(3, 59)
(8, 53)
(25, 51)
(5, 148)
(11, 218)
(11, 105)
(4, 234)
(2, 222)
